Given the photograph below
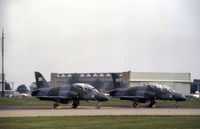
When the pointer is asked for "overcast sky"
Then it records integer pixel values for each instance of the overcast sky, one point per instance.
(99, 36)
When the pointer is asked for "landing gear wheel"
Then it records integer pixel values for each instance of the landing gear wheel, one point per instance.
(75, 104)
(55, 106)
(135, 104)
(176, 105)
(152, 104)
(99, 105)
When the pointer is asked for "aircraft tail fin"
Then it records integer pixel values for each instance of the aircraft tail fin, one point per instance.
(117, 82)
(40, 80)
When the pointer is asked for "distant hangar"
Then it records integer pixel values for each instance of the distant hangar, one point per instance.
(180, 82)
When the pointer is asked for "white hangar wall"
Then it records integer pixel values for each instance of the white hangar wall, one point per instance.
(180, 82)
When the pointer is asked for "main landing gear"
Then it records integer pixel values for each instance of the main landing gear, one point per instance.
(135, 104)
(152, 104)
(55, 105)
(148, 103)
(75, 104)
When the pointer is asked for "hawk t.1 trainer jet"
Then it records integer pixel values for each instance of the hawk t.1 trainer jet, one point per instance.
(144, 94)
(65, 94)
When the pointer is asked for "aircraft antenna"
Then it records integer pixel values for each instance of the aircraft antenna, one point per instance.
(2, 50)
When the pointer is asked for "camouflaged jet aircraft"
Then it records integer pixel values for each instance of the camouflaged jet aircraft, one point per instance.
(144, 94)
(65, 94)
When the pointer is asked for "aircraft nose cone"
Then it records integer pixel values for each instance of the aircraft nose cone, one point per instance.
(101, 97)
(183, 98)
(179, 97)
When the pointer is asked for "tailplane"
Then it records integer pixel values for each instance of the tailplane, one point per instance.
(40, 80)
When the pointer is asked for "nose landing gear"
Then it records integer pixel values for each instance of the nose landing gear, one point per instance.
(176, 105)
(99, 105)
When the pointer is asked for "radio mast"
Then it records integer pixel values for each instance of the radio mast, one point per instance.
(2, 50)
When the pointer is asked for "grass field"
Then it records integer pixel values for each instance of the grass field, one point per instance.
(24, 102)
(102, 122)
(193, 103)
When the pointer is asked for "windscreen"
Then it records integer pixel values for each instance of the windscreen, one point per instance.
(163, 88)
(82, 86)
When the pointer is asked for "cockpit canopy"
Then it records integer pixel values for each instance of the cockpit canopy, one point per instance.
(84, 87)
(162, 88)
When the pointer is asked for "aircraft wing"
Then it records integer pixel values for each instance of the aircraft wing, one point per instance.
(53, 97)
(132, 97)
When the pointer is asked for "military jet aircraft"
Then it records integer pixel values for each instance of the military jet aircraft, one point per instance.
(65, 94)
(144, 94)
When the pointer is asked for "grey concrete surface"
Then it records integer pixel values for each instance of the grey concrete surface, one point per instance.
(91, 111)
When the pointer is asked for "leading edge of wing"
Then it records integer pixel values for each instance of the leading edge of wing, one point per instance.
(54, 97)
(131, 97)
